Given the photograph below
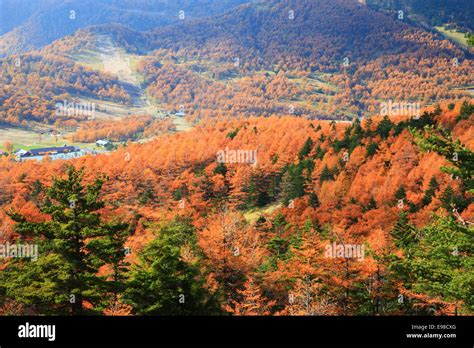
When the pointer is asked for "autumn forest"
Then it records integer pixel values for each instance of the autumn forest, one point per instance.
(259, 158)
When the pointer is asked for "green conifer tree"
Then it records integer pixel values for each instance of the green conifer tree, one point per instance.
(72, 246)
(163, 283)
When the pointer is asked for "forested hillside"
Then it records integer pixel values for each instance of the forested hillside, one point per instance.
(331, 59)
(32, 84)
(318, 64)
(435, 12)
(32, 24)
(280, 157)
(400, 189)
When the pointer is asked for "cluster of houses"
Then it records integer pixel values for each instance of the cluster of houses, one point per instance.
(62, 152)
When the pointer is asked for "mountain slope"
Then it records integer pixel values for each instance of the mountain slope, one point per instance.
(333, 186)
(48, 20)
(348, 57)
(434, 12)
(321, 33)
(311, 58)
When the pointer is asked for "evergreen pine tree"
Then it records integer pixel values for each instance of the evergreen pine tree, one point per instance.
(368, 126)
(313, 200)
(371, 149)
(163, 282)
(384, 127)
(221, 169)
(72, 244)
(403, 232)
(430, 192)
(447, 198)
(439, 266)
(306, 149)
(293, 182)
(461, 158)
(110, 250)
(401, 193)
(372, 204)
(326, 174)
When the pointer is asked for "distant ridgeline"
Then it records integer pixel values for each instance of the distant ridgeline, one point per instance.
(30, 24)
(435, 12)
(335, 59)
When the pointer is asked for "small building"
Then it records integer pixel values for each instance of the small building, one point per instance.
(20, 153)
(102, 143)
(64, 152)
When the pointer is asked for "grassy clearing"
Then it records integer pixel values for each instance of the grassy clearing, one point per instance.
(317, 82)
(181, 124)
(133, 60)
(108, 110)
(30, 139)
(118, 63)
(89, 59)
(453, 35)
(252, 216)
